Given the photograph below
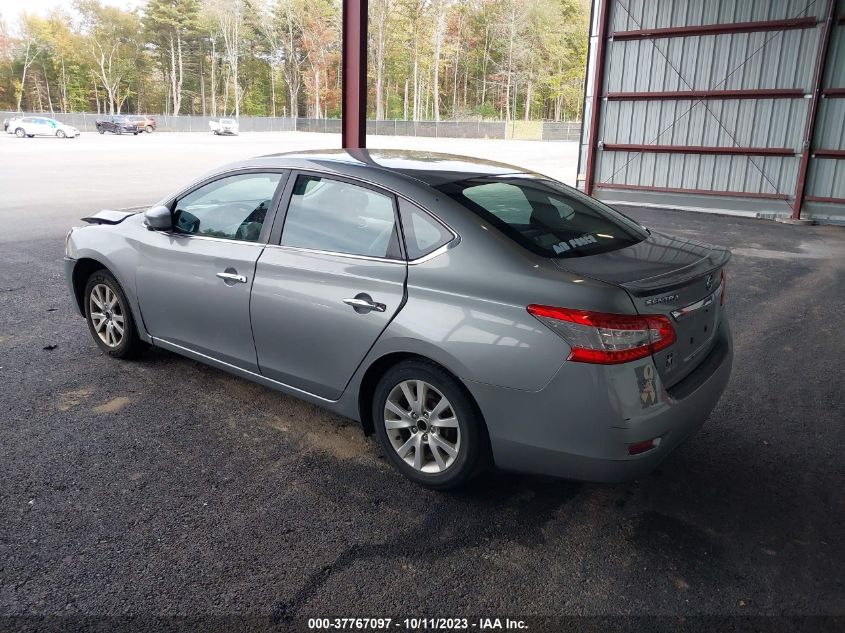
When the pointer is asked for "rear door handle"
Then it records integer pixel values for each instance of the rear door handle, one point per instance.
(234, 277)
(363, 303)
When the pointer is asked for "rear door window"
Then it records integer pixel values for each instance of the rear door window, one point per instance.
(339, 217)
(545, 216)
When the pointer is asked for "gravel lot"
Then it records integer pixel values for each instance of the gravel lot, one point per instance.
(162, 488)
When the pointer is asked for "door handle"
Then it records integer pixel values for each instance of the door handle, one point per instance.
(363, 303)
(241, 279)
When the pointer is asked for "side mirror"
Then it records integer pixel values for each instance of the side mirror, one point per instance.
(158, 219)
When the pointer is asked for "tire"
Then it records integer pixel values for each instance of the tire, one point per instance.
(149, 129)
(119, 130)
(100, 289)
(20, 132)
(101, 130)
(135, 133)
(61, 134)
(462, 430)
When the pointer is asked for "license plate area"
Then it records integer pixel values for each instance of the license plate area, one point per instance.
(696, 327)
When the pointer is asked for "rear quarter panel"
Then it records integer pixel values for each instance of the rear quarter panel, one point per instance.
(467, 308)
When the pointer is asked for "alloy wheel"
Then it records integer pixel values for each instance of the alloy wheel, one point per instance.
(107, 314)
(422, 426)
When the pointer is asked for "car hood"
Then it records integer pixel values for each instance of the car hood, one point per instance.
(658, 262)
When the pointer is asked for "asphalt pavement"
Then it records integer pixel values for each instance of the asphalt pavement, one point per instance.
(162, 488)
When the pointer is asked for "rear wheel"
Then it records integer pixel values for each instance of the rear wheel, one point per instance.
(20, 132)
(109, 317)
(427, 426)
(149, 129)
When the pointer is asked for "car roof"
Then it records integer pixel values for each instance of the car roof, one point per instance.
(431, 168)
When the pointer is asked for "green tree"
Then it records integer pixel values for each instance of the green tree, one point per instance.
(168, 25)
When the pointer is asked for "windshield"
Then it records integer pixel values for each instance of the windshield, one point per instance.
(227, 121)
(544, 216)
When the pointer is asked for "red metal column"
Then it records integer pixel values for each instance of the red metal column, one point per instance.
(598, 81)
(354, 71)
(821, 62)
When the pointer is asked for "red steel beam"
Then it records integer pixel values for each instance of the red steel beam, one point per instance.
(704, 192)
(824, 199)
(834, 93)
(598, 80)
(821, 63)
(354, 72)
(717, 29)
(837, 154)
(770, 93)
(699, 149)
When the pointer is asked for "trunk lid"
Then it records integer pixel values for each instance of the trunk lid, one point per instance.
(676, 277)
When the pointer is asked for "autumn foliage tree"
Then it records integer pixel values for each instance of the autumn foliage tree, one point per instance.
(428, 59)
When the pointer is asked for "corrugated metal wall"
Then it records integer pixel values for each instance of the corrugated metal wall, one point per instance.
(825, 199)
(701, 116)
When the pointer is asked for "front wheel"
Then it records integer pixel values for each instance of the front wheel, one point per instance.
(110, 318)
(20, 132)
(149, 129)
(61, 134)
(427, 426)
(101, 130)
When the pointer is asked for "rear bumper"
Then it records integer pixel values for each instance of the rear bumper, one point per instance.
(580, 425)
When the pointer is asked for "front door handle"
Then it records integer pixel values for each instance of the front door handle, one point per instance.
(363, 303)
(232, 277)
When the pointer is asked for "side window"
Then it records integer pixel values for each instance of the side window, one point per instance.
(233, 207)
(423, 234)
(335, 216)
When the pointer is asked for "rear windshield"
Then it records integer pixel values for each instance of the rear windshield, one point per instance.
(545, 216)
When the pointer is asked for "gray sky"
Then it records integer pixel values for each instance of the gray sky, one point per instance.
(11, 9)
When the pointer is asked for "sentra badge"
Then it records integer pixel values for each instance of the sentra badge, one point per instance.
(663, 299)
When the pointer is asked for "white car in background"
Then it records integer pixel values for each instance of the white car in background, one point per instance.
(224, 126)
(40, 126)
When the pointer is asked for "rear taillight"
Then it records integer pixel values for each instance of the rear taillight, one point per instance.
(607, 339)
(724, 287)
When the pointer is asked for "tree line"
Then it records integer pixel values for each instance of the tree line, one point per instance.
(428, 59)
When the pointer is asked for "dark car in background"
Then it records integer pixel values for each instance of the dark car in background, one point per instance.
(144, 123)
(116, 124)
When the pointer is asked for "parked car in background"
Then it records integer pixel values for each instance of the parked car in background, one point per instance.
(143, 122)
(464, 311)
(30, 126)
(228, 127)
(116, 124)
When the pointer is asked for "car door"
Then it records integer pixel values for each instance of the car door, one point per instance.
(324, 292)
(194, 281)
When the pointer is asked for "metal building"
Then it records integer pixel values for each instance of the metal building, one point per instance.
(733, 105)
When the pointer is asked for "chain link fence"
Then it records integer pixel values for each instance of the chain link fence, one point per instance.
(522, 130)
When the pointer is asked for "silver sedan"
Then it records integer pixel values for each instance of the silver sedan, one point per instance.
(467, 313)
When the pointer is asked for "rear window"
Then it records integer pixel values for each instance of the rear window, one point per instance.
(545, 216)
